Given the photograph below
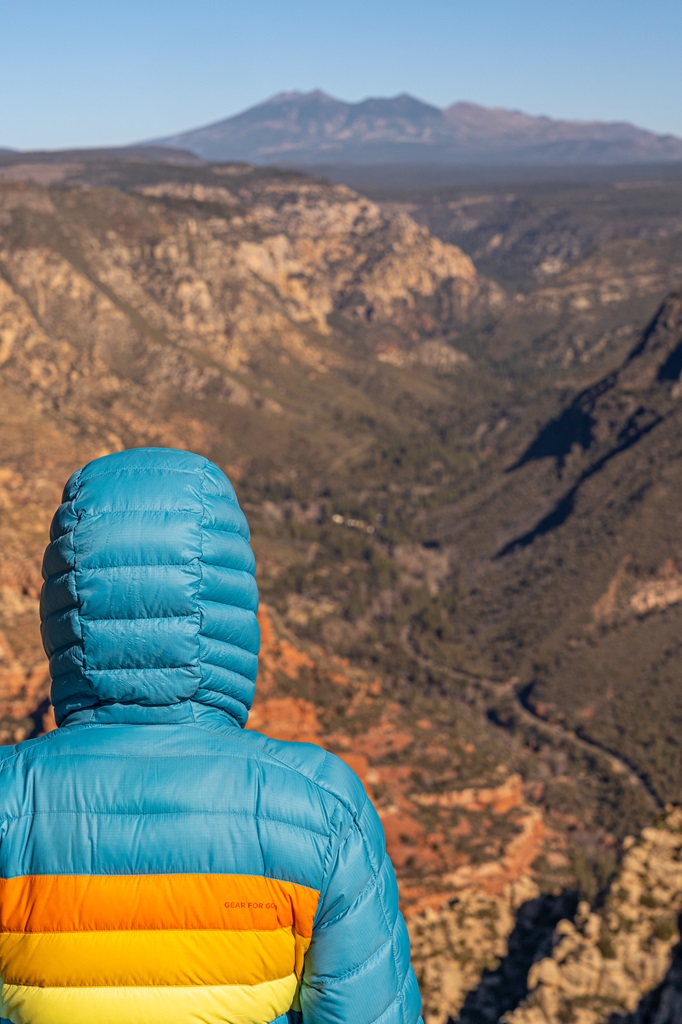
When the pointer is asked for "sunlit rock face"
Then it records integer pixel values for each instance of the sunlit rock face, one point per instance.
(619, 963)
(327, 352)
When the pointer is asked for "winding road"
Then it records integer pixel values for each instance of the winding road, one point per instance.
(495, 689)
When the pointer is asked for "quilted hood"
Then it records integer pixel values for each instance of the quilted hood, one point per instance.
(148, 608)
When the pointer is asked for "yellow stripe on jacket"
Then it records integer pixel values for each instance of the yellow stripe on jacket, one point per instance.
(238, 1004)
(189, 957)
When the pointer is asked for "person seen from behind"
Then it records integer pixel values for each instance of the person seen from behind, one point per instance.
(158, 862)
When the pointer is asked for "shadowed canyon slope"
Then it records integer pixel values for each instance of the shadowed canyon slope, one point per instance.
(466, 522)
(612, 456)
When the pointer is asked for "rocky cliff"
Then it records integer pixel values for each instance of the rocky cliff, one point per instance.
(223, 314)
(228, 268)
(521, 957)
(326, 353)
(619, 964)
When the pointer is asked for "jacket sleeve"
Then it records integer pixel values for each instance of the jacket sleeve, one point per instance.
(357, 969)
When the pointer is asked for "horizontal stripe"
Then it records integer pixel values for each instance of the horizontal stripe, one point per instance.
(238, 1004)
(73, 903)
(62, 959)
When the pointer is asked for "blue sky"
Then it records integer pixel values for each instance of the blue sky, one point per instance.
(102, 73)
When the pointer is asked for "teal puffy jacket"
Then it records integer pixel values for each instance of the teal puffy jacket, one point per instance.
(158, 863)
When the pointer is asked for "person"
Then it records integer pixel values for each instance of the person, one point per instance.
(158, 862)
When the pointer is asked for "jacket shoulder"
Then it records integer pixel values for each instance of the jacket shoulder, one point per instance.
(6, 753)
(17, 752)
(328, 772)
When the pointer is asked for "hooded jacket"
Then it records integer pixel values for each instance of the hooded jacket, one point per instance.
(159, 864)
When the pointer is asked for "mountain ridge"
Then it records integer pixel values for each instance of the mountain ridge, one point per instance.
(315, 128)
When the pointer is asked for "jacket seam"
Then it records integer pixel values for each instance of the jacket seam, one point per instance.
(165, 874)
(165, 814)
(200, 586)
(313, 779)
(369, 884)
(127, 472)
(389, 1007)
(316, 779)
(139, 757)
(401, 984)
(156, 510)
(273, 757)
(137, 618)
(133, 668)
(328, 860)
(342, 842)
(147, 757)
(77, 642)
(156, 928)
(42, 740)
(57, 733)
(204, 689)
(226, 645)
(360, 967)
(221, 604)
(79, 600)
(105, 510)
(145, 565)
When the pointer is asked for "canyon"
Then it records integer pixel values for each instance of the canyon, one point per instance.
(463, 486)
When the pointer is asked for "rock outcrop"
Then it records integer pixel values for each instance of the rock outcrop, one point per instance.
(182, 285)
(618, 964)
(280, 325)
(453, 947)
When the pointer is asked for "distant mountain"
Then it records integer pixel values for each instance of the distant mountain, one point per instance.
(297, 128)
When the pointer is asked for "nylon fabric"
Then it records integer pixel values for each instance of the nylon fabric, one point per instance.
(113, 631)
(157, 861)
(157, 957)
(82, 903)
(218, 1004)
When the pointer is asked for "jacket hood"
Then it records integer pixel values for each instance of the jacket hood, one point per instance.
(148, 609)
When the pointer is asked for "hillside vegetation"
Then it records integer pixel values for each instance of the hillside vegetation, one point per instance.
(463, 483)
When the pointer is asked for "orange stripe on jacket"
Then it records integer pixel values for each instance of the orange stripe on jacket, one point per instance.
(74, 903)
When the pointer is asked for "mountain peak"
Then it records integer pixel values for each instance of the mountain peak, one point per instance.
(295, 95)
(403, 105)
(302, 128)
